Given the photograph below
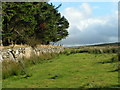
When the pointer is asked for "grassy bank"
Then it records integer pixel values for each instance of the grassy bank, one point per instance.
(20, 67)
(78, 70)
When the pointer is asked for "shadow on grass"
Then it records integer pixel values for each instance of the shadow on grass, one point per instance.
(104, 62)
(116, 70)
(91, 86)
(116, 87)
(113, 59)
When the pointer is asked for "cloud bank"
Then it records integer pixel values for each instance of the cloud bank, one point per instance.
(88, 29)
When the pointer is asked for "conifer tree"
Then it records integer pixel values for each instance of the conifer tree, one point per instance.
(32, 23)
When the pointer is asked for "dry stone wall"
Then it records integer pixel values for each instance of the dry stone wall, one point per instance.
(18, 53)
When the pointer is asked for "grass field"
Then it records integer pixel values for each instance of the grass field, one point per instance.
(80, 70)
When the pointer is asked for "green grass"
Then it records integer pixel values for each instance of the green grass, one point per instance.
(81, 70)
(13, 68)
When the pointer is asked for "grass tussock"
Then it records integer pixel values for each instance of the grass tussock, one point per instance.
(10, 68)
(92, 50)
(86, 67)
(80, 70)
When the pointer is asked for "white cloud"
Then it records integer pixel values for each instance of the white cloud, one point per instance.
(85, 29)
(86, 9)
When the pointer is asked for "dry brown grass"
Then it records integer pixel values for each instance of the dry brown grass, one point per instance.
(23, 46)
(10, 68)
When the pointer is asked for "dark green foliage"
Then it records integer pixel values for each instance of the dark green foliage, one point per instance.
(32, 23)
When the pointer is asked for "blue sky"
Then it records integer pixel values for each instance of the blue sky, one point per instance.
(100, 8)
(90, 22)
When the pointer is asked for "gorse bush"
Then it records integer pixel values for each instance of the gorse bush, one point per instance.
(10, 68)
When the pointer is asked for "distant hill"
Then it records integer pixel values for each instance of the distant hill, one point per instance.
(107, 44)
(116, 44)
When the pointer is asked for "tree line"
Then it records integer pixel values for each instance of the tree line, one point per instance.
(32, 23)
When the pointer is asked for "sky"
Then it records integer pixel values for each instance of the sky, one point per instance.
(90, 22)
